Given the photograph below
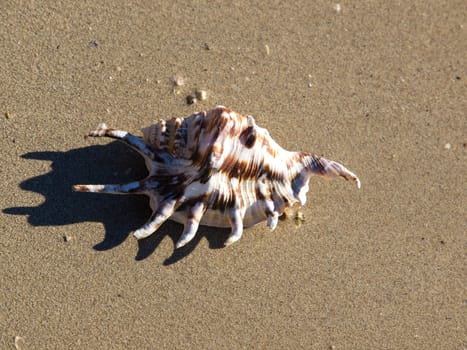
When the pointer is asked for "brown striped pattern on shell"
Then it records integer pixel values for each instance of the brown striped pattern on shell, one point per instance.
(217, 168)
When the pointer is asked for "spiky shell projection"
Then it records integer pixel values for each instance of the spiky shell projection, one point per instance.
(217, 168)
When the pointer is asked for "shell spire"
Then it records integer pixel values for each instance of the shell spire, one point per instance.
(219, 169)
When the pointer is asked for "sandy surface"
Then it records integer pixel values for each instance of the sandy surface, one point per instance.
(378, 86)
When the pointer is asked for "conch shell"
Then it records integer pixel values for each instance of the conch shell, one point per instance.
(217, 168)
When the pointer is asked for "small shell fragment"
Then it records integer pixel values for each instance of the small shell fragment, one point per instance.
(201, 95)
(19, 342)
(178, 80)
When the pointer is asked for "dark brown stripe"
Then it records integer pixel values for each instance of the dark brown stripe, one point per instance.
(221, 203)
(248, 137)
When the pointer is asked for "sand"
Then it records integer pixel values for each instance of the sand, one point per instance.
(379, 86)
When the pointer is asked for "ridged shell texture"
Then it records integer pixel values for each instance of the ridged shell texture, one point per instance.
(217, 168)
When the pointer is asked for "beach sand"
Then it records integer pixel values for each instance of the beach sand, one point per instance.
(378, 86)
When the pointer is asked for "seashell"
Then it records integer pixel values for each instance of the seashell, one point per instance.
(217, 168)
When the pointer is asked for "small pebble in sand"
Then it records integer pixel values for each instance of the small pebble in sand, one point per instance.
(7, 115)
(447, 146)
(66, 238)
(178, 80)
(201, 95)
(118, 69)
(19, 342)
(338, 8)
(268, 51)
(299, 218)
(93, 43)
(190, 99)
